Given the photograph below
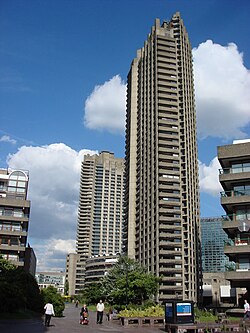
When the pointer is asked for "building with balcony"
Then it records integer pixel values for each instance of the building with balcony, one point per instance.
(162, 224)
(97, 267)
(100, 213)
(14, 219)
(234, 177)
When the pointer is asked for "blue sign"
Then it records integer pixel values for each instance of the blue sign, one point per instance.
(183, 309)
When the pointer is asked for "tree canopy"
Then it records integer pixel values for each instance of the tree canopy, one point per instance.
(18, 289)
(128, 282)
(50, 295)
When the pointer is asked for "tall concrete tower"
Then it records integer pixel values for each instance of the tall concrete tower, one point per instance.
(161, 191)
(100, 213)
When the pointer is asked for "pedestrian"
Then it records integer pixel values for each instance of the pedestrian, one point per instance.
(109, 313)
(99, 309)
(49, 312)
(77, 302)
(246, 310)
(84, 315)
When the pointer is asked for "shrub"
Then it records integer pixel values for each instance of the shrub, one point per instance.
(50, 295)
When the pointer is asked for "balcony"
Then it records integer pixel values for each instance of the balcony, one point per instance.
(238, 278)
(14, 202)
(13, 217)
(226, 179)
(6, 247)
(238, 247)
(233, 222)
(235, 197)
(12, 231)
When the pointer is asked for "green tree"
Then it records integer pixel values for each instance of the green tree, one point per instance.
(50, 295)
(128, 282)
(66, 288)
(18, 289)
(92, 293)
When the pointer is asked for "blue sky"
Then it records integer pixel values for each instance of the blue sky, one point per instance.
(62, 93)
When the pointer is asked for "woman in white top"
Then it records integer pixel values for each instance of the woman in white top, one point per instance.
(49, 312)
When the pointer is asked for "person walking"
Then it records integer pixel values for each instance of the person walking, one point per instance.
(49, 312)
(246, 310)
(99, 309)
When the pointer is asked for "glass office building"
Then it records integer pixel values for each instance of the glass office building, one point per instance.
(213, 239)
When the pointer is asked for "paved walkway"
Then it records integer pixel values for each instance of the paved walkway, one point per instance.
(70, 324)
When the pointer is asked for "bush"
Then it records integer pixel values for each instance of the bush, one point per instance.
(50, 295)
(18, 289)
(153, 311)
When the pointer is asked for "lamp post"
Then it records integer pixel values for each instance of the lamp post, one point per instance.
(126, 264)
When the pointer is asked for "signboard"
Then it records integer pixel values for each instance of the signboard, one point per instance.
(183, 309)
(169, 310)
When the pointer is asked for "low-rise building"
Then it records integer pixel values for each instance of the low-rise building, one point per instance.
(14, 219)
(54, 279)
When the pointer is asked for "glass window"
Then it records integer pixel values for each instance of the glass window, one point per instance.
(236, 168)
(12, 183)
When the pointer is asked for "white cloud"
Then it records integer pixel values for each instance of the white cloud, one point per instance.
(54, 178)
(6, 138)
(209, 177)
(105, 107)
(51, 255)
(222, 85)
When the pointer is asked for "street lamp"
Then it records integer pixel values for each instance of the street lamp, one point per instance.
(126, 264)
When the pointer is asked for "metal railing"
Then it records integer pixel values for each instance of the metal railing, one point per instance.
(227, 171)
(234, 193)
(237, 241)
(236, 217)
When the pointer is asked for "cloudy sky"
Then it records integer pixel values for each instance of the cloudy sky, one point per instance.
(62, 95)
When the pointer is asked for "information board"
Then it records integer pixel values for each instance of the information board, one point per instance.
(169, 310)
(183, 309)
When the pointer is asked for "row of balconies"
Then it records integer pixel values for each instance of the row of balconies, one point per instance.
(9, 247)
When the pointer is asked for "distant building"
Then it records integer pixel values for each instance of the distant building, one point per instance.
(54, 279)
(213, 239)
(97, 267)
(72, 273)
(14, 219)
(100, 213)
(217, 291)
(235, 200)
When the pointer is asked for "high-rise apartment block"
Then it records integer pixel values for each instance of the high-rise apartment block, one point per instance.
(235, 200)
(162, 185)
(100, 214)
(14, 219)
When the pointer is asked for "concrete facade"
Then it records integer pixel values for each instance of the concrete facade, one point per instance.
(235, 200)
(14, 219)
(97, 267)
(71, 272)
(162, 227)
(100, 213)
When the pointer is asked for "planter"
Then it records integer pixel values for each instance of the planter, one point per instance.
(142, 321)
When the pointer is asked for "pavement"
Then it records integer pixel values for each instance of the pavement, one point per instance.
(70, 324)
